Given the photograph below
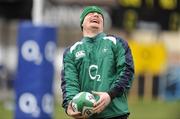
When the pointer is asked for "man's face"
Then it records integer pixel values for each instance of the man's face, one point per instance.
(93, 21)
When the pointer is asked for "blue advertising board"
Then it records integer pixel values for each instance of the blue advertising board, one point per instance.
(35, 71)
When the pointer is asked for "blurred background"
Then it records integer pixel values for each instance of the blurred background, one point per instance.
(152, 28)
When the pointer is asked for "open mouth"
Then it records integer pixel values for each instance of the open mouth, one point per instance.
(94, 21)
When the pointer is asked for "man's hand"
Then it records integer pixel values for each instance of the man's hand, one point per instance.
(104, 100)
(75, 115)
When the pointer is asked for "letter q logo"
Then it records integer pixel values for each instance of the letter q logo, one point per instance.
(31, 52)
(28, 104)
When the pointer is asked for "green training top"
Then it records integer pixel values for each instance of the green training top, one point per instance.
(103, 63)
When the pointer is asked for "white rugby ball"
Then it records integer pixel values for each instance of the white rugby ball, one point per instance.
(83, 102)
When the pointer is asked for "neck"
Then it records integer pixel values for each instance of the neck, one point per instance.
(90, 33)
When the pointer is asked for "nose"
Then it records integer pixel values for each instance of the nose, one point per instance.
(95, 14)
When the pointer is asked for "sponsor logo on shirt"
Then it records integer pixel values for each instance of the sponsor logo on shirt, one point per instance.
(80, 54)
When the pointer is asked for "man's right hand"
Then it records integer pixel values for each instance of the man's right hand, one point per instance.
(75, 115)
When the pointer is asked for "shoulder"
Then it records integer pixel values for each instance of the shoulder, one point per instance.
(70, 49)
(75, 45)
(116, 39)
(66, 52)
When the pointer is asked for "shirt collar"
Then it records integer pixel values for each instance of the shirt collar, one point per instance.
(95, 37)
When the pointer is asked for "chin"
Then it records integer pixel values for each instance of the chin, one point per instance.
(95, 27)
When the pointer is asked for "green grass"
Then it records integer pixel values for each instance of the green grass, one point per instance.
(155, 110)
(138, 109)
(59, 113)
(4, 112)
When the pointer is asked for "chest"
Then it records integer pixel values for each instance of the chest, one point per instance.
(94, 53)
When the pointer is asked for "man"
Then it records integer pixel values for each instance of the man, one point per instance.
(101, 64)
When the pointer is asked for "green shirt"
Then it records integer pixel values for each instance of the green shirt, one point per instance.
(102, 63)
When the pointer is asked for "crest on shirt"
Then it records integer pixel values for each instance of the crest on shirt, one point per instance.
(80, 54)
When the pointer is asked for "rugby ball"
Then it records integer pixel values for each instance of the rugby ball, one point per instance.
(83, 102)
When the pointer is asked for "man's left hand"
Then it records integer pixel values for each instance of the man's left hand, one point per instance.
(104, 100)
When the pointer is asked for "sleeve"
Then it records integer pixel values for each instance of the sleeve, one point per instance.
(69, 79)
(124, 68)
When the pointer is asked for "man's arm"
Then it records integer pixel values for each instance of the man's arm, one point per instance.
(69, 79)
(124, 67)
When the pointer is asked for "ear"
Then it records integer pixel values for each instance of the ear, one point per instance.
(82, 26)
